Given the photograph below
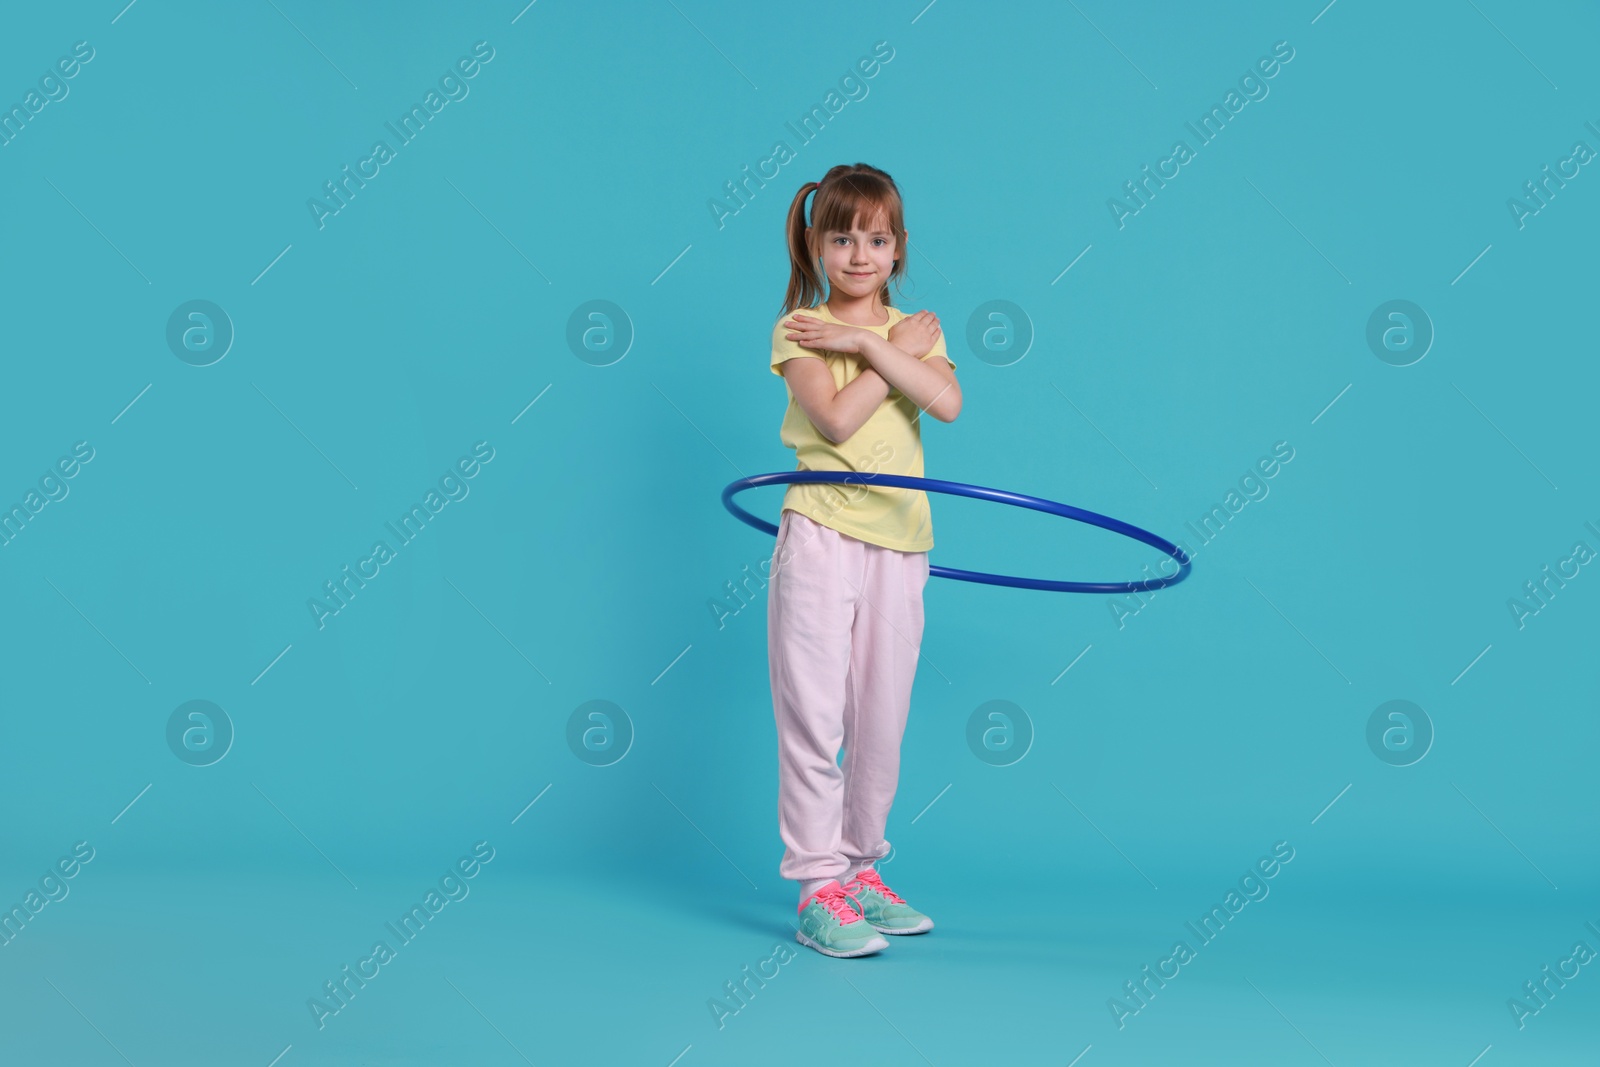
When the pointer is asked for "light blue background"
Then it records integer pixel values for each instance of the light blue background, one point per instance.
(428, 314)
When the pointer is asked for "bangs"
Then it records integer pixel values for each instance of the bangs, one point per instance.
(858, 199)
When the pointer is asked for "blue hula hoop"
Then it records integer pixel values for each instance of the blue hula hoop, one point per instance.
(979, 492)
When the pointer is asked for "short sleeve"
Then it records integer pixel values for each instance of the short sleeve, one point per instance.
(783, 348)
(938, 349)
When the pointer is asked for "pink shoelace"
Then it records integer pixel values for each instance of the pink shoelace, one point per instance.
(833, 898)
(870, 877)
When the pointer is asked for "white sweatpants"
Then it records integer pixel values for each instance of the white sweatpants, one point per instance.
(844, 632)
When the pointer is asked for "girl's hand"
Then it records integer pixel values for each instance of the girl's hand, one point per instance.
(808, 331)
(916, 334)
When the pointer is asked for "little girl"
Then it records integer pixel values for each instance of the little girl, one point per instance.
(844, 608)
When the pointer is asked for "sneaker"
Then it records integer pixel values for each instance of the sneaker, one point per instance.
(883, 908)
(831, 925)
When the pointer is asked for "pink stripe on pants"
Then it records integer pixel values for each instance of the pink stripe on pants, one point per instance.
(844, 630)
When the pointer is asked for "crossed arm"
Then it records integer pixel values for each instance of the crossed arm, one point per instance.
(894, 362)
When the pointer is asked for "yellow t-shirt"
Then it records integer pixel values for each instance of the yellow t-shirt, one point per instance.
(890, 442)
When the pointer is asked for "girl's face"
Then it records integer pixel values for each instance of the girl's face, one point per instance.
(858, 261)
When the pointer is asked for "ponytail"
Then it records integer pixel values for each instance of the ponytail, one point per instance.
(805, 280)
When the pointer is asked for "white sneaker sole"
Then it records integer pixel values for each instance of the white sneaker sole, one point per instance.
(877, 944)
(921, 928)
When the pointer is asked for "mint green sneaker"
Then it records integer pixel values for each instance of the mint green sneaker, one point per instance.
(832, 926)
(883, 908)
